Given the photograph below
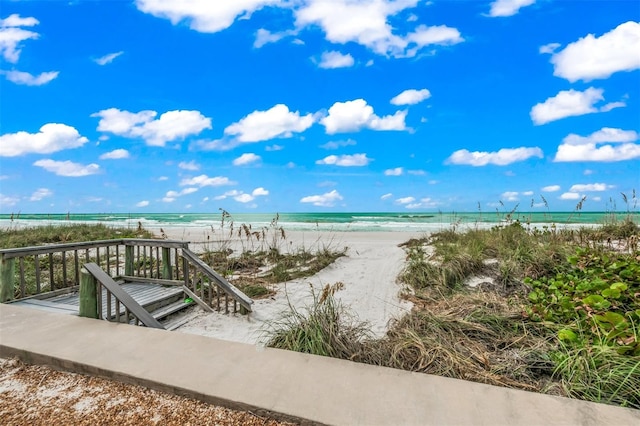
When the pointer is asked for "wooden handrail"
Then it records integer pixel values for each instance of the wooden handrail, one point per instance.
(129, 303)
(53, 248)
(220, 281)
(60, 264)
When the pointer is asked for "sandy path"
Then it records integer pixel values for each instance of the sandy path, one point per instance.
(369, 273)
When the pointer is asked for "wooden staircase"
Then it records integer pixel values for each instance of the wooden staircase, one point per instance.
(156, 279)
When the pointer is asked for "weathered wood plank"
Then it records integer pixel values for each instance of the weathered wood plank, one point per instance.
(196, 299)
(76, 265)
(64, 269)
(220, 281)
(122, 296)
(52, 284)
(51, 294)
(88, 297)
(152, 280)
(36, 259)
(117, 260)
(22, 281)
(7, 272)
(155, 243)
(48, 306)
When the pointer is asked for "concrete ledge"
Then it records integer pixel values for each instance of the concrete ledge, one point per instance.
(282, 384)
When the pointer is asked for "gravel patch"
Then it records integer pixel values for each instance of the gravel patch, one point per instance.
(38, 395)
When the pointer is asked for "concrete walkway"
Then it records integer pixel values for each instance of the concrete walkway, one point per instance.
(285, 385)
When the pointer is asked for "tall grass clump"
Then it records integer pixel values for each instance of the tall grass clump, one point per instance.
(323, 328)
(598, 373)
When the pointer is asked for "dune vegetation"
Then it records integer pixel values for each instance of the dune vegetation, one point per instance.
(549, 310)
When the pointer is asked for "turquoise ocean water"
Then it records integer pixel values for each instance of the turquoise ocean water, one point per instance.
(370, 222)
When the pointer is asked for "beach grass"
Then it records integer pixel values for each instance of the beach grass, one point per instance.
(521, 328)
(322, 328)
(68, 233)
(262, 257)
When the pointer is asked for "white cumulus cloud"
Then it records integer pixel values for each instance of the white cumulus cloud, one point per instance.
(549, 48)
(338, 144)
(355, 160)
(570, 103)
(590, 187)
(352, 116)
(605, 145)
(510, 196)
(143, 203)
(593, 57)
(245, 159)
(501, 8)
(171, 196)
(327, 199)
(570, 196)
(41, 193)
(189, 165)
(204, 180)
(203, 15)
(68, 168)
(170, 126)
(108, 58)
(405, 200)
(231, 193)
(502, 157)
(366, 22)
(386, 196)
(27, 79)
(424, 203)
(243, 197)
(411, 97)
(612, 105)
(116, 154)
(12, 35)
(8, 200)
(394, 172)
(276, 122)
(52, 137)
(265, 37)
(551, 188)
(334, 59)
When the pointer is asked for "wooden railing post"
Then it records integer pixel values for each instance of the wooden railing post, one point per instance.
(128, 260)
(7, 272)
(166, 263)
(88, 295)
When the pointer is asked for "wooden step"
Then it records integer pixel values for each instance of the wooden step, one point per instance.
(172, 308)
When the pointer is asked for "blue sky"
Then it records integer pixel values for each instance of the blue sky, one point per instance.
(317, 105)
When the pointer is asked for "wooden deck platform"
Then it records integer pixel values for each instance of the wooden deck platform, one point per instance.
(147, 295)
(155, 280)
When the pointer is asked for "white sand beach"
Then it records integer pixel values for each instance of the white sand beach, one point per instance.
(369, 273)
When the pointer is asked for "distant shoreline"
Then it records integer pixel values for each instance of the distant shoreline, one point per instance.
(333, 222)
